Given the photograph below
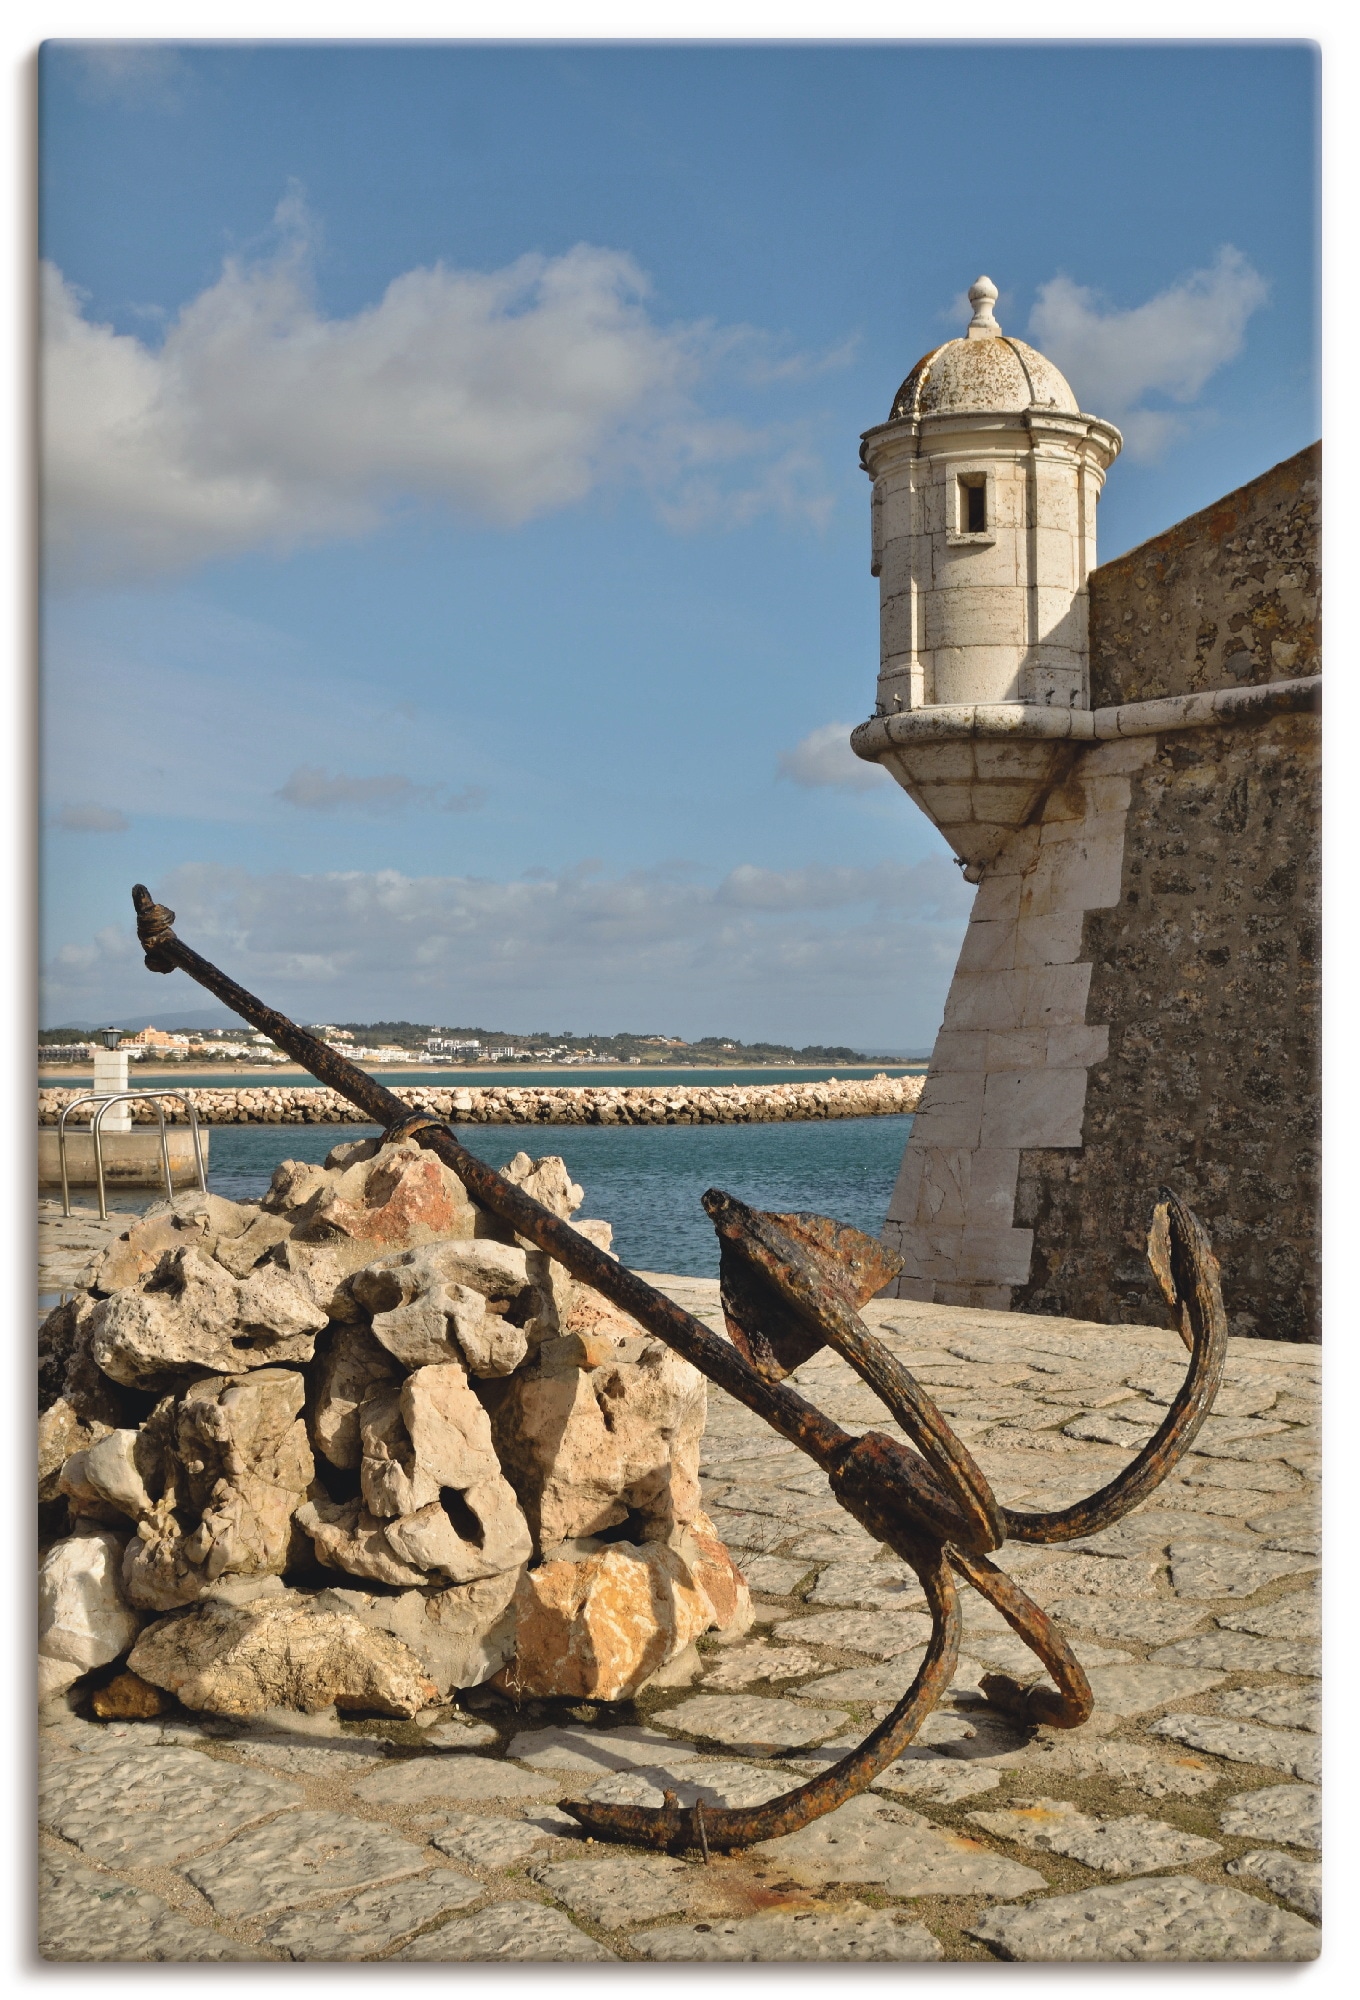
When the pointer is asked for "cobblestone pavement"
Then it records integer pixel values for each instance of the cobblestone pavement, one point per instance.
(1180, 1823)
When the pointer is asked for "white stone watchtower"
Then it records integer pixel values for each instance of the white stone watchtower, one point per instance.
(985, 477)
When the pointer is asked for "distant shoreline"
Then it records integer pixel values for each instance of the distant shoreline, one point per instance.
(54, 1075)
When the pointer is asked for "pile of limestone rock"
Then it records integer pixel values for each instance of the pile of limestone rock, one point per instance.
(358, 1444)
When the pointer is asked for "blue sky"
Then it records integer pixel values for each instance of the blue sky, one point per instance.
(457, 560)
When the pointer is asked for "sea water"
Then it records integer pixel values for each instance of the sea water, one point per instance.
(644, 1179)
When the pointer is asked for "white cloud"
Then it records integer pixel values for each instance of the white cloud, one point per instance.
(316, 790)
(90, 819)
(502, 395)
(824, 757)
(1168, 346)
(811, 954)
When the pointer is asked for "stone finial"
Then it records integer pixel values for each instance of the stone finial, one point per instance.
(982, 295)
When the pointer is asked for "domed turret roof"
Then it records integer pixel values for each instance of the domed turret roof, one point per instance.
(985, 370)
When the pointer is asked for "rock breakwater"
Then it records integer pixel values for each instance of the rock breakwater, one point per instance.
(879, 1096)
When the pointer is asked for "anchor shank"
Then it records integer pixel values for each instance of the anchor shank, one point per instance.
(782, 1408)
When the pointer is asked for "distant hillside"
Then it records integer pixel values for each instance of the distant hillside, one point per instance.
(715, 1051)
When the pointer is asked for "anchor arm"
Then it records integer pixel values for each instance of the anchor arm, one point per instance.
(1180, 1254)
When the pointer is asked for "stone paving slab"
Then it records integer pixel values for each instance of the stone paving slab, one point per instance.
(416, 1779)
(1247, 1743)
(88, 1916)
(945, 1780)
(1285, 1708)
(1140, 1688)
(1176, 1918)
(1295, 1882)
(870, 1584)
(870, 1840)
(753, 1722)
(1292, 1813)
(489, 1843)
(778, 1576)
(152, 1808)
(1141, 1767)
(1127, 1845)
(714, 1783)
(597, 1750)
(299, 1858)
(852, 1933)
(614, 1889)
(1236, 1651)
(1210, 1569)
(880, 1634)
(316, 1760)
(1296, 1617)
(520, 1930)
(363, 1925)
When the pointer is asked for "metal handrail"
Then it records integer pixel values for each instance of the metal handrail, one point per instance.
(106, 1104)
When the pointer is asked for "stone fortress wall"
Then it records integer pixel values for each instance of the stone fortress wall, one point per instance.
(1136, 1001)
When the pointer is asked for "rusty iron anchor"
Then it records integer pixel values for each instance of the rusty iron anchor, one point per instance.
(792, 1285)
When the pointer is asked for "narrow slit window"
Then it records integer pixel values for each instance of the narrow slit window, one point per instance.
(973, 495)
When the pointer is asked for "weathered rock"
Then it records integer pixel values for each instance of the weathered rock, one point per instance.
(191, 1315)
(402, 1196)
(56, 1339)
(461, 1636)
(392, 1482)
(429, 1469)
(350, 1367)
(346, 1536)
(279, 1652)
(67, 1365)
(108, 1469)
(547, 1181)
(61, 1435)
(128, 1698)
(84, 1620)
(600, 1627)
(716, 1574)
(462, 1301)
(192, 1220)
(587, 1449)
(241, 1254)
(231, 1464)
(296, 1184)
(497, 1537)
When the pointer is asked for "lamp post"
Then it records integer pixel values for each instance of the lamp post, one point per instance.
(111, 1078)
